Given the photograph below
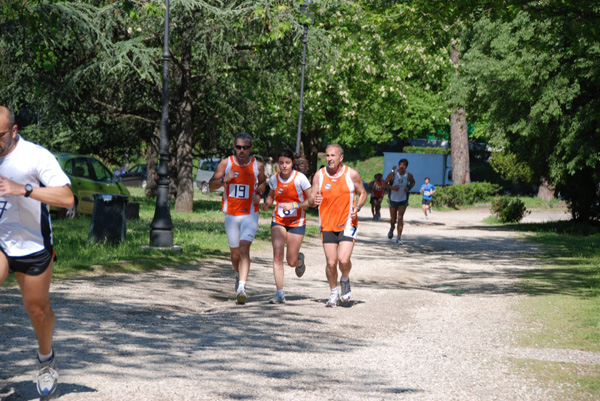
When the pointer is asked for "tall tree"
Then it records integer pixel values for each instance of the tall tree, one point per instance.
(535, 79)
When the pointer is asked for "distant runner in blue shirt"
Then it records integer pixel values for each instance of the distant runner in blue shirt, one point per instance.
(427, 190)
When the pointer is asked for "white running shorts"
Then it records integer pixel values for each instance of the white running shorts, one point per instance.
(240, 228)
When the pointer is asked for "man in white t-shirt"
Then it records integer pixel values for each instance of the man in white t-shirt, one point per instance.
(30, 180)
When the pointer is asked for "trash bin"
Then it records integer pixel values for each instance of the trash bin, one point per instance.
(108, 219)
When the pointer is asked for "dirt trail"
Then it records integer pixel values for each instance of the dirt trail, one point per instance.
(432, 319)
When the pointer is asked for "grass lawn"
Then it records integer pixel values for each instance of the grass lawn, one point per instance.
(201, 234)
(564, 304)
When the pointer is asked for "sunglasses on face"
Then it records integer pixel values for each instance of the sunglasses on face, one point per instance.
(245, 147)
(4, 133)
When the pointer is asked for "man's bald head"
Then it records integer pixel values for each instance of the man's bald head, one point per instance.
(7, 118)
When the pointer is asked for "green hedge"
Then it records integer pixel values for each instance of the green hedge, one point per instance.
(423, 149)
(455, 196)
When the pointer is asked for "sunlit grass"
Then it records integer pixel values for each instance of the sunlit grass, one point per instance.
(563, 306)
(200, 234)
(572, 381)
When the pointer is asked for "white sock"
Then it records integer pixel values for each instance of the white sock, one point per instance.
(333, 293)
(279, 293)
(241, 286)
(45, 358)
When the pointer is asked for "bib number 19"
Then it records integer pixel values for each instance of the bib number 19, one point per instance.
(239, 191)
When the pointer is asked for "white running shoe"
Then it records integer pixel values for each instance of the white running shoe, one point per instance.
(332, 302)
(277, 299)
(241, 297)
(47, 377)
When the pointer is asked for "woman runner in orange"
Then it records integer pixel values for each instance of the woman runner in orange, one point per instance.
(290, 190)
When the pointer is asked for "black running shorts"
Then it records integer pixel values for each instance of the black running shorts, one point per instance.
(31, 265)
(334, 237)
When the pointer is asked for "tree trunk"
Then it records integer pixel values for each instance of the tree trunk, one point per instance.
(312, 144)
(152, 162)
(184, 201)
(546, 191)
(459, 136)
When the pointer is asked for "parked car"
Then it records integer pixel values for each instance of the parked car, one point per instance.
(206, 169)
(135, 176)
(88, 177)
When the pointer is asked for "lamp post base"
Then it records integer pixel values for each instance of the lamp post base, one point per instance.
(161, 238)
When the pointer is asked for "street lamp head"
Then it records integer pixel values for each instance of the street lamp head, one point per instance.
(304, 9)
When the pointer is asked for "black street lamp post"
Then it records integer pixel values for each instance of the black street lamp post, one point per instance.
(161, 233)
(304, 11)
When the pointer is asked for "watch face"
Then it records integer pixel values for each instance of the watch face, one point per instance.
(28, 188)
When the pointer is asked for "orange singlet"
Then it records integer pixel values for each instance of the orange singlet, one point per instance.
(377, 189)
(292, 190)
(338, 200)
(237, 196)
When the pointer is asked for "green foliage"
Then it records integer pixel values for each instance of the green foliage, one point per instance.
(367, 168)
(507, 165)
(429, 150)
(582, 193)
(508, 210)
(534, 78)
(455, 196)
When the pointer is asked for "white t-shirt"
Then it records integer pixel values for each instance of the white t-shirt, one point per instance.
(25, 222)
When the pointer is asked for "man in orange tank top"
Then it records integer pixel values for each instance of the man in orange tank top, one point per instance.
(243, 177)
(334, 190)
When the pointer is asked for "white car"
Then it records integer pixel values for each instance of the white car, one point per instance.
(206, 169)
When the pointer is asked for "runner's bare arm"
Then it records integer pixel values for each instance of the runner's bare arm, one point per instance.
(215, 182)
(411, 181)
(53, 196)
(360, 189)
(315, 198)
(269, 201)
(299, 205)
(262, 183)
(386, 182)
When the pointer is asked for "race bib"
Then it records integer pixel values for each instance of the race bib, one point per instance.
(351, 231)
(286, 213)
(426, 193)
(239, 191)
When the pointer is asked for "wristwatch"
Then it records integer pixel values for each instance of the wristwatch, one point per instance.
(28, 190)
(222, 180)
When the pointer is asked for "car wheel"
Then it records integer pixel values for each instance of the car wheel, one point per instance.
(204, 188)
(144, 184)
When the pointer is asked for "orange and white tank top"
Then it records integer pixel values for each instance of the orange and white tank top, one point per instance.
(238, 194)
(290, 190)
(338, 200)
(377, 189)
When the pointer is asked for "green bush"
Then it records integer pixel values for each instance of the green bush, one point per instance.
(463, 195)
(508, 210)
(423, 149)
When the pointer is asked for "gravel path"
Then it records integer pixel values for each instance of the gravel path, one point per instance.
(433, 319)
